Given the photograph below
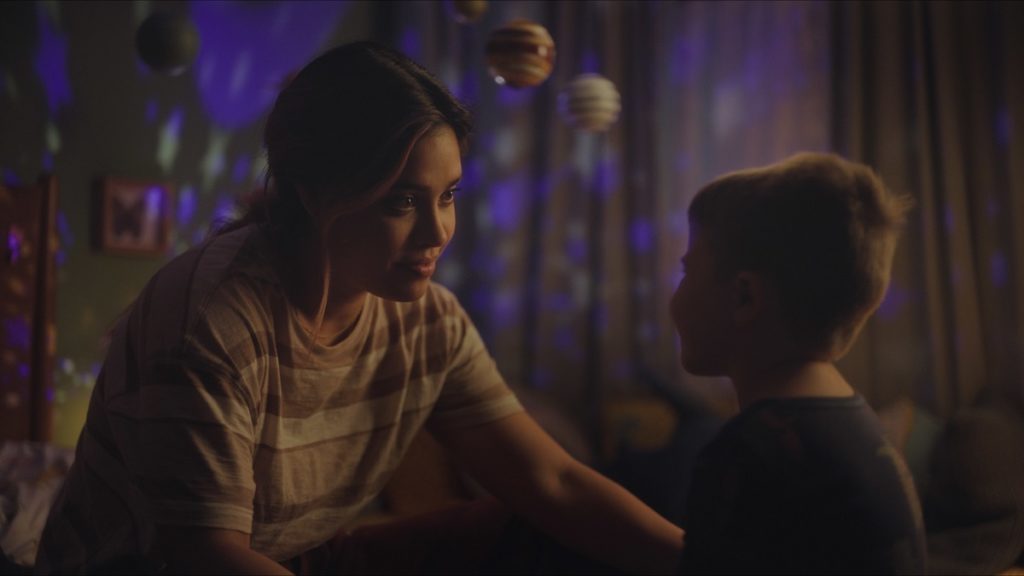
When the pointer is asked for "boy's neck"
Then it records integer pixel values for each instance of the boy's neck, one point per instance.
(800, 379)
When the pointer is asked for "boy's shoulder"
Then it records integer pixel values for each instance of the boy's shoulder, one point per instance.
(798, 483)
(800, 430)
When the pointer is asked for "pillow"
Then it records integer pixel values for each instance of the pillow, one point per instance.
(974, 505)
(913, 431)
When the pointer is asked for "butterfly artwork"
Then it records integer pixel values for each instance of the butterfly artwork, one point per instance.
(127, 215)
(135, 216)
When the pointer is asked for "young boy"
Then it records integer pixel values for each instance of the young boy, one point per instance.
(785, 265)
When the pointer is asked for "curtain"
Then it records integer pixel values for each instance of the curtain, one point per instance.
(926, 92)
(568, 244)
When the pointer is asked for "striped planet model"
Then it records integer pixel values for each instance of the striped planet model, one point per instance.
(590, 103)
(520, 54)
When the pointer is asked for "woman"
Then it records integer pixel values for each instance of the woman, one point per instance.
(266, 383)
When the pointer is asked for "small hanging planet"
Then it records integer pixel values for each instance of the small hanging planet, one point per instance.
(590, 103)
(167, 43)
(468, 11)
(520, 54)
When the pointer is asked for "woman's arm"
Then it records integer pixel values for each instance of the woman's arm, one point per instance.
(521, 465)
(191, 550)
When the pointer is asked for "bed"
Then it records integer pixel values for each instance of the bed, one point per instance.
(969, 469)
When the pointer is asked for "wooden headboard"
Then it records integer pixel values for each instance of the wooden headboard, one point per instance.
(27, 298)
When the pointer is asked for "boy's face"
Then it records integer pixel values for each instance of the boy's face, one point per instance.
(702, 312)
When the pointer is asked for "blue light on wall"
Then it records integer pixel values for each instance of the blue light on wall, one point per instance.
(249, 48)
(51, 63)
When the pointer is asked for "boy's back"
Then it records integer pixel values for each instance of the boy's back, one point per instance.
(803, 485)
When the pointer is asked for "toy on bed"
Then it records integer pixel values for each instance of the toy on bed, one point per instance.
(31, 473)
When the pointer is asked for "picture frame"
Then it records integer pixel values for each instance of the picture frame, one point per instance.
(133, 217)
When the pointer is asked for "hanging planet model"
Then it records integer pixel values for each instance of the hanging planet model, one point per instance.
(468, 11)
(167, 43)
(520, 54)
(590, 103)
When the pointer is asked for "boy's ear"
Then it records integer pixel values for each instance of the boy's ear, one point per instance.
(748, 296)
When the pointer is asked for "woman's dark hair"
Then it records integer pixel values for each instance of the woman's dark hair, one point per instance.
(341, 127)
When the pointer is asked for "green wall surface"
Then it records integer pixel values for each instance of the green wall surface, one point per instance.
(76, 100)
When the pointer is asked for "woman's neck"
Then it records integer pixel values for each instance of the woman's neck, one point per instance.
(303, 279)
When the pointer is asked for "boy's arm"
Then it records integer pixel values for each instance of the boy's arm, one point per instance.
(517, 462)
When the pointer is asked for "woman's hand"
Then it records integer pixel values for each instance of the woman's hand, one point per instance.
(516, 461)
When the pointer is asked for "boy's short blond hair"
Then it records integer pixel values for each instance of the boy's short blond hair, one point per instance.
(823, 228)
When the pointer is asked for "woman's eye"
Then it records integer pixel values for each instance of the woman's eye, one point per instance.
(448, 196)
(403, 203)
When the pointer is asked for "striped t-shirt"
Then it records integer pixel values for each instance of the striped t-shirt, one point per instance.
(215, 408)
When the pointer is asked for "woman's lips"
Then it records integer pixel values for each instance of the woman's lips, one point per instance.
(424, 268)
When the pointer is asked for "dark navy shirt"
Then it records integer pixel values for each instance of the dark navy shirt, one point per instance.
(803, 485)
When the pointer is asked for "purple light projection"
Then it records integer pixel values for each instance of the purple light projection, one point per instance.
(51, 63)
(410, 43)
(564, 339)
(241, 169)
(576, 250)
(248, 48)
(67, 239)
(559, 301)
(641, 235)
(186, 205)
(608, 177)
(468, 88)
(480, 302)
(11, 178)
(516, 97)
(472, 175)
(506, 204)
(1004, 127)
(683, 161)
(998, 269)
(151, 110)
(590, 63)
(686, 58)
(506, 309)
(992, 208)
(489, 264)
(896, 298)
(679, 223)
(15, 240)
(17, 333)
(547, 183)
(225, 209)
(174, 121)
(542, 379)
(601, 317)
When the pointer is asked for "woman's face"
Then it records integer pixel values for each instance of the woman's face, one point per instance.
(391, 247)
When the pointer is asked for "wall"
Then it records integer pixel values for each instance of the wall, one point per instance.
(76, 100)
